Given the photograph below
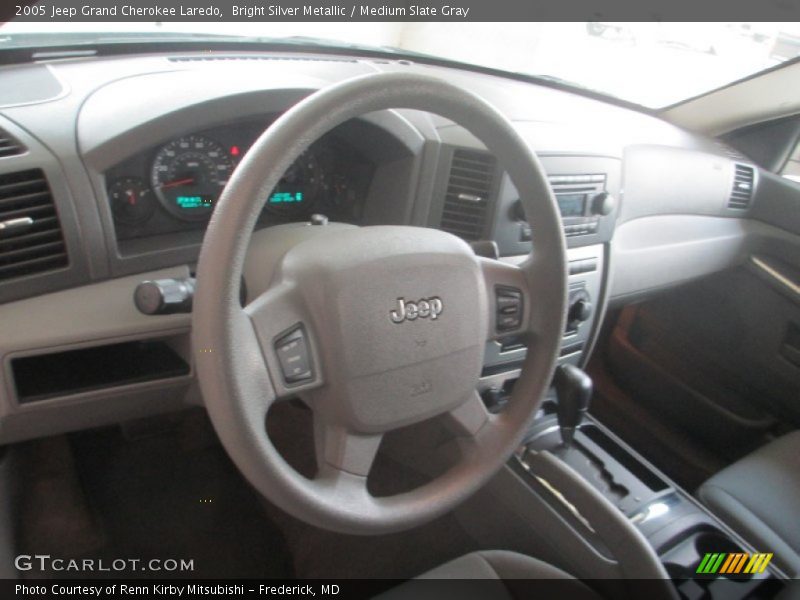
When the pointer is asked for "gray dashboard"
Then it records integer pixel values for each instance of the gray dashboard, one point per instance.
(676, 212)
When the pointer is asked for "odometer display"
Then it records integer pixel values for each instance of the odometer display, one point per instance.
(285, 197)
(187, 202)
(188, 176)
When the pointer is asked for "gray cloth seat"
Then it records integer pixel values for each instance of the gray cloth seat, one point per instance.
(759, 497)
(500, 572)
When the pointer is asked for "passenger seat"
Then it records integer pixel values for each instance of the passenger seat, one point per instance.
(759, 497)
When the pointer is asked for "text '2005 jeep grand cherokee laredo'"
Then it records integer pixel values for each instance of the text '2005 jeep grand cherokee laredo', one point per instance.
(278, 308)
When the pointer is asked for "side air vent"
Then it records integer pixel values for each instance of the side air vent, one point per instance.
(251, 57)
(31, 240)
(742, 192)
(468, 194)
(10, 146)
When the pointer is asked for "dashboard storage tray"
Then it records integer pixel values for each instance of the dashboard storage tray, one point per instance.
(70, 372)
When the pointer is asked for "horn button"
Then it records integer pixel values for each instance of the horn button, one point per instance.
(400, 320)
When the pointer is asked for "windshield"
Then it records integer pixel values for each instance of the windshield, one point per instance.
(650, 64)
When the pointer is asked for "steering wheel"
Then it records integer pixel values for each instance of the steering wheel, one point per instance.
(374, 328)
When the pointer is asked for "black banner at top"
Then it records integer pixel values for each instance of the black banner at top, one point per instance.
(401, 10)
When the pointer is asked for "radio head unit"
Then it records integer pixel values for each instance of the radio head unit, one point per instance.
(582, 200)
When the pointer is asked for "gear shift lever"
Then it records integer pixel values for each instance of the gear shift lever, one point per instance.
(574, 391)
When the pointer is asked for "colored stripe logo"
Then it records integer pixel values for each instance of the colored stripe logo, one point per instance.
(733, 563)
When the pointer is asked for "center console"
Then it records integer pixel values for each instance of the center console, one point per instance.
(586, 191)
(703, 557)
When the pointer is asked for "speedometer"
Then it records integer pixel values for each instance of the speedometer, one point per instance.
(188, 175)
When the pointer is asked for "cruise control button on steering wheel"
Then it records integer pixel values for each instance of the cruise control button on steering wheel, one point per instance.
(293, 356)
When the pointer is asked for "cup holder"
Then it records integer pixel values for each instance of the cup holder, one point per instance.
(715, 543)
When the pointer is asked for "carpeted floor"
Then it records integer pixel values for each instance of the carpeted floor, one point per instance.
(166, 489)
(169, 495)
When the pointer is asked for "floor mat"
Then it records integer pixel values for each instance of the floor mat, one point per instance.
(172, 495)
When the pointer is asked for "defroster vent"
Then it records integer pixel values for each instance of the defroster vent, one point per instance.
(31, 240)
(469, 192)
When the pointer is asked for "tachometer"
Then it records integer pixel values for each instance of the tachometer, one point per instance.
(299, 187)
(188, 175)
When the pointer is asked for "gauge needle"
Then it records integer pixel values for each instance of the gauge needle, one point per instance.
(131, 197)
(186, 181)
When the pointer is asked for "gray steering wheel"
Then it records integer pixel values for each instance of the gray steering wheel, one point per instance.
(387, 324)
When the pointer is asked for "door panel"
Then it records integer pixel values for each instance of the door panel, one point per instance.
(719, 358)
(710, 356)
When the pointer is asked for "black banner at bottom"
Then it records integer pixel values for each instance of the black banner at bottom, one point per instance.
(418, 589)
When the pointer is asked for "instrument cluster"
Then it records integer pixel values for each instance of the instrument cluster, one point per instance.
(176, 185)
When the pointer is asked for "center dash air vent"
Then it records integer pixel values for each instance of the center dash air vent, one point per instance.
(31, 240)
(742, 192)
(9, 146)
(468, 195)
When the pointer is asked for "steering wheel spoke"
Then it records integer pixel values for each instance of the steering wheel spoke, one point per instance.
(286, 339)
(469, 418)
(508, 298)
(341, 450)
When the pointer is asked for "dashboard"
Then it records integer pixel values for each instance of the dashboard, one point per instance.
(110, 168)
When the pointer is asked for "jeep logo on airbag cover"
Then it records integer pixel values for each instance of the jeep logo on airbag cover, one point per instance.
(423, 308)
